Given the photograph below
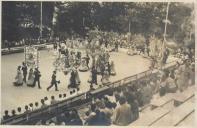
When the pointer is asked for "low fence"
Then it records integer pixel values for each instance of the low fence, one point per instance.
(79, 100)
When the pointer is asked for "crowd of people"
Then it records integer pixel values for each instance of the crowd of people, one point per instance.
(121, 106)
(33, 76)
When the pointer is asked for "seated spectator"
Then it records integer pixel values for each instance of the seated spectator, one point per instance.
(162, 89)
(47, 102)
(53, 101)
(92, 88)
(36, 105)
(135, 109)
(27, 109)
(31, 106)
(60, 96)
(13, 113)
(19, 110)
(122, 113)
(75, 119)
(170, 85)
(64, 95)
(43, 105)
(146, 94)
(6, 116)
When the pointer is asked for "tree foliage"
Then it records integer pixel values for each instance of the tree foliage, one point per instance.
(145, 18)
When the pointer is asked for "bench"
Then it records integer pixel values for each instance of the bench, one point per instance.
(161, 101)
(188, 121)
(180, 98)
(148, 118)
(177, 115)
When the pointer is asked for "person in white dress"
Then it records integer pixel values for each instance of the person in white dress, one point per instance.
(30, 78)
(19, 77)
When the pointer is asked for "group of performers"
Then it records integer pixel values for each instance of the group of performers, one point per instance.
(94, 59)
(33, 76)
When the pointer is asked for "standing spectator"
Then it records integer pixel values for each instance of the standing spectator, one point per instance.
(87, 60)
(37, 77)
(123, 113)
(24, 69)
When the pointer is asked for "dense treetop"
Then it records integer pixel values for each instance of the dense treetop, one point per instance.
(62, 19)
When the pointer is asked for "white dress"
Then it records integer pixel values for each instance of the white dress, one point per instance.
(18, 78)
(30, 79)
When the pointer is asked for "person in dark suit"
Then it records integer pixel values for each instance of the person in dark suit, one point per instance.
(94, 76)
(24, 69)
(72, 80)
(53, 82)
(87, 60)
(37, 77)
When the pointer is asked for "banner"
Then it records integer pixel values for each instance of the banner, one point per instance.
(31, 56)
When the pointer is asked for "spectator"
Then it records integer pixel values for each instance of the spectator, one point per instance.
(13, 113)
(43, 103)
(31, 106)
(53, 101)
(122, 113)
(19, 110)
(60, 96)
(6, 116)
(27, 109)
(36, 105)
(170, 85)
(75, 119)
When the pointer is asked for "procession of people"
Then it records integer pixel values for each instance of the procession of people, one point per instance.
(70, 59)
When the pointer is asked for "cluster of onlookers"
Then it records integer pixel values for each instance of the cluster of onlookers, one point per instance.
(34, 106)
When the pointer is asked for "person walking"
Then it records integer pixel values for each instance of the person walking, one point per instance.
(37, 77)
(53, 82)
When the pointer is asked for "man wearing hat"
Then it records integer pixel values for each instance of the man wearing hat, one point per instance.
(53, 82)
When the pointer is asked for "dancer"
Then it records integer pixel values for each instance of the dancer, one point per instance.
(18, 78)
(24, 69)
(94, 75)
(53, 82)
(37, 77)
(30, 78)
(72, 80)
(78, 81)
(83, 67)
(113, 71)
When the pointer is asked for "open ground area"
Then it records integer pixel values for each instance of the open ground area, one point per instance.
(14, 96)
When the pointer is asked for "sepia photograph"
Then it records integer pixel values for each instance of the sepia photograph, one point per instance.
(88, 63)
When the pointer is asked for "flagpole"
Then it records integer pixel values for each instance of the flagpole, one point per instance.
(167, 10)
(41, 21)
